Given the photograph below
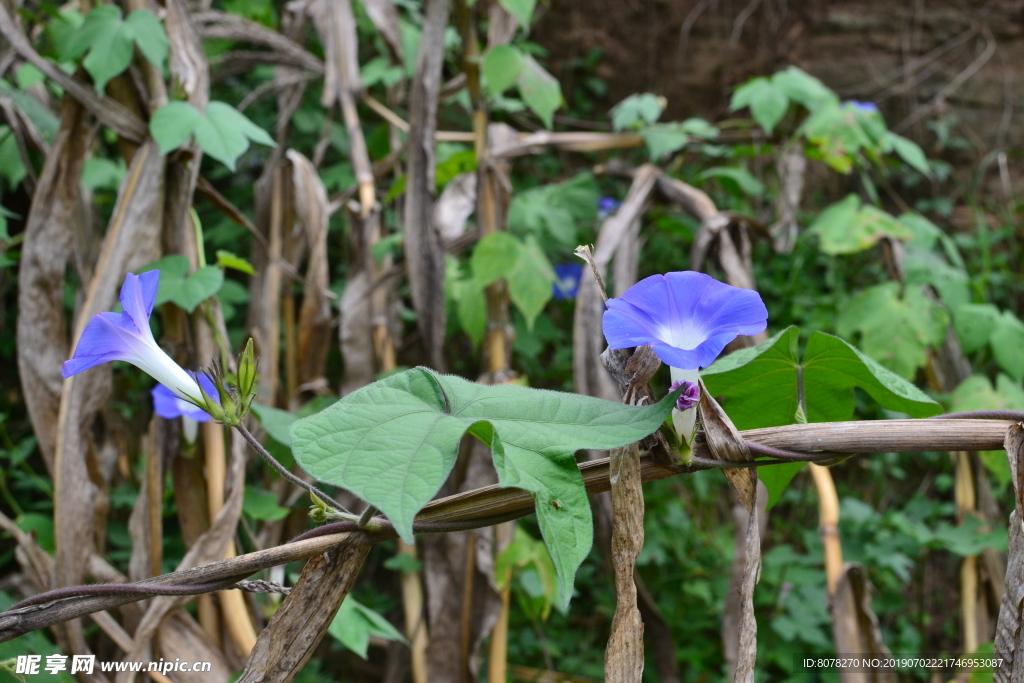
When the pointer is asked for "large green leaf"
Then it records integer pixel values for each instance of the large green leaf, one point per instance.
(761, 386)
(895, 331)
(393, 443)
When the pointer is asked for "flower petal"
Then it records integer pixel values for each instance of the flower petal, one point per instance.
(168, 406)
(107, 337)
(722, 308)
(687, 317)
(626, 326)
(138, 294)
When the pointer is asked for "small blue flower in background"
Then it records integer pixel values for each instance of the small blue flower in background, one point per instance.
(870, 107)
(687, 318)
(567, 280)
(606, 206)
(167, 405)
(126, 336)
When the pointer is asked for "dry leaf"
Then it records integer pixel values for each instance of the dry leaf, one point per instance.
(311, 211)
(42, 331)
(456, 629)
(790, 166)
(1009, 634)
(424, 254)
(384, 16)
(298, 626)
(589, 375)
(733, 613)
(727, 445)
(132, 239)
(855, 626)
(624, 655)
(455, 205)
(188, 64)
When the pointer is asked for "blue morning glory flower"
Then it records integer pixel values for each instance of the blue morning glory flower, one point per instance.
(606, 206)
(686, 317)
(863, 106)
(567, 280)
(126, 336)
(168, 406)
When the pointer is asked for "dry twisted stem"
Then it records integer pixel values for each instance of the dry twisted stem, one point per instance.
(485, 506)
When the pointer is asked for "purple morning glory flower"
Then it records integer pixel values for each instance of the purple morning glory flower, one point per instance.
(686, 317)
(690, 396)
(126, 336)
(606, 206)
(567, 280)
(168, 406)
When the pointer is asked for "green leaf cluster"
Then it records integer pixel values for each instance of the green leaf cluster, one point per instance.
(662, 139)
(763, 385)
(522, 263)
(184, 289)
(769, 98)
(637, 111)
(848, 226)
(555, 212)
(260, 504)
(977, 393)
(394, 442)
(537, 578)
(980, 325)
(354, 623)
(507, 65)
(221, 131)
(840, 133)
(896, 330)
(110, 42)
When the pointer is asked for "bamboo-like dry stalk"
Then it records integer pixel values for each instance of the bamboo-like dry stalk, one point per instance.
(828, 524)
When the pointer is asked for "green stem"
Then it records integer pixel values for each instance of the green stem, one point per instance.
(284, 472)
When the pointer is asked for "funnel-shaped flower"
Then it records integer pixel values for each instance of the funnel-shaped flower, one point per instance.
(686, 317)
(126, 336)
(167, 405)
